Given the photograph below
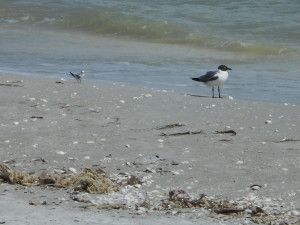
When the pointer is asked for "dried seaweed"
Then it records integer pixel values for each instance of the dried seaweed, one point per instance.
(231, 132)
(36, 117)
(287, 140)
(225, 140)
(106, 206)
(11, 85)
(170, 126)
(180, 199)
(12, 177)
(133, 180)
(229, 211)
(182, 133)
(87, 181)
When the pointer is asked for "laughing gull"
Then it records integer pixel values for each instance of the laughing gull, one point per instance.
(78, 76)
(214, 78)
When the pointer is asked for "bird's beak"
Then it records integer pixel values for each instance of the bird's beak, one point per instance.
(229, 68)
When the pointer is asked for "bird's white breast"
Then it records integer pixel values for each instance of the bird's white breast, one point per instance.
(222, 77)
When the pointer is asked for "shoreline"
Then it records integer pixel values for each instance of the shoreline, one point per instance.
(171, 141)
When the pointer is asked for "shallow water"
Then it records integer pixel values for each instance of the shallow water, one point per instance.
(158, 44)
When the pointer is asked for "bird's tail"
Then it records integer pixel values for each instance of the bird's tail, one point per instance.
(196, 79)
(72, 74)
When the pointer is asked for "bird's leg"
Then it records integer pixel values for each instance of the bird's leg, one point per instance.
(213, 92)
(219, 92)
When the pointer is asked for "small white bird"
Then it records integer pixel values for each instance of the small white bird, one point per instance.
(78, 76)
(214, 78)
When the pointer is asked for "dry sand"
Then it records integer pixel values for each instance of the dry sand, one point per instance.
(169, 141)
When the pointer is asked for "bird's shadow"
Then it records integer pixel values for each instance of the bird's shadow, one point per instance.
(198, 96)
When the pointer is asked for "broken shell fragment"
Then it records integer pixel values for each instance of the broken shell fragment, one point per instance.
(268, 121)
(255, 187)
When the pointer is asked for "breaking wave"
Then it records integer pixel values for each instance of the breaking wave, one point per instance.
(107, 21)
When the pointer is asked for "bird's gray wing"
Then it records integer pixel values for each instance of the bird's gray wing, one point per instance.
(209, 76)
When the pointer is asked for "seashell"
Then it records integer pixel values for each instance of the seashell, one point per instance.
(16, 123)
(122, 101)
(141, 210)
(255, 187)
(31, 202)
(239, 162)
(148, 96)
(175, 172)
(295, 213)
(268, 121)
(59, 171)
(61, 153)
(230, 98)
(73, 170)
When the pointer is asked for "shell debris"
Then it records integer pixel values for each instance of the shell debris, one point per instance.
(73, 170)
(239, 162)
(255, 187)
(61, 153)
(268, 121)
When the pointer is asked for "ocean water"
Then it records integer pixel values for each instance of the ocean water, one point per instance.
(158, 44)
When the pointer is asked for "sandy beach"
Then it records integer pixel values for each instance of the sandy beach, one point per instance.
(170, 157)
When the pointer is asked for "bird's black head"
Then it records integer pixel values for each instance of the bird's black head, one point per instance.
(224, 68)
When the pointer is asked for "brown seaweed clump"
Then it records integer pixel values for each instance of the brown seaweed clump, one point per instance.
(87, 181)
(13, 177)
(181, 199)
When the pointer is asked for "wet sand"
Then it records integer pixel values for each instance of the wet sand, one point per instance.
(243, 152)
